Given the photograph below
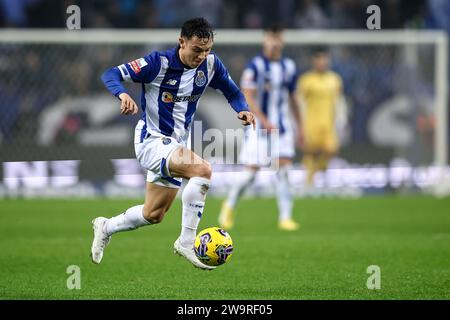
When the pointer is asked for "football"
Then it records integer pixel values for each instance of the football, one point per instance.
(213, 246)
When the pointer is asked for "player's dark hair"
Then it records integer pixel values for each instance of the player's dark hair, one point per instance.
(199, 27)
(320, 50)
(274, 28)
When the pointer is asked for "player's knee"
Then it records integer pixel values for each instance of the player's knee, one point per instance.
(154, 216)
(248, 176)
(204, 170)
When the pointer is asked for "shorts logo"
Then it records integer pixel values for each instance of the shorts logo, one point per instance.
(200, 79)
(167, 97)
(166, 141)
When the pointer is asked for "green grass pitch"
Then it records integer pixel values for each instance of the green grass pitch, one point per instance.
(408, 238)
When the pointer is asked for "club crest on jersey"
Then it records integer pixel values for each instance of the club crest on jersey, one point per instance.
(167, 97)
(166, 141)
(200, 79)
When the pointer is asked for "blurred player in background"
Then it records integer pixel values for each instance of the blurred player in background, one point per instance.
(319, 91)
(172, 83)
(268, 83)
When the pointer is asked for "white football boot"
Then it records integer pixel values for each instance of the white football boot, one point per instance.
(101, 239)
(189, 254)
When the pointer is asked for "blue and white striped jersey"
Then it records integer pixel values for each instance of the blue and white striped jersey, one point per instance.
(274, 81)
(171, 91)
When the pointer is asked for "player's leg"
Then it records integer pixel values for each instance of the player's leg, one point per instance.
(244, 180)
(253, 154)
(329, 150)
(158, 200)
(285, 197)
(283, 152)
(323, 159)
(311, 140)
(186, 164)
(310, 164)
(151, 152)
(315, 143)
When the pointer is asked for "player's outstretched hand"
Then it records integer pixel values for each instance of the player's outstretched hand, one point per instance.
(247, 118)
(128, 105)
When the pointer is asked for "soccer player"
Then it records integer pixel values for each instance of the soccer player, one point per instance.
(172, 83)
(268, 83)
(319, 91)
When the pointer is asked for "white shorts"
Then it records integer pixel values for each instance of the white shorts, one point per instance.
(260, 149)
(153, 153)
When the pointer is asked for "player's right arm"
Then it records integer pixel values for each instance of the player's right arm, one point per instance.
(249, 95)
(300, 97)
(249, 89)
(112, 79)
(301, 88)
(142, 70)
(222, 81)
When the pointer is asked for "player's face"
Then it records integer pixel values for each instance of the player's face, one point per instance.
(273, 45)
(194, 51)
(321, 62)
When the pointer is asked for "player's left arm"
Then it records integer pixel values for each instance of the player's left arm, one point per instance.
(295, 107)
(142, 70)
(222, 81)
(340, 112)
(294, 103)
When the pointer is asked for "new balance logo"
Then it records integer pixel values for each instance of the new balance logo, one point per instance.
(171, 82)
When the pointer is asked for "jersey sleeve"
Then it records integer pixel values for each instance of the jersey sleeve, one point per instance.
(143, 70)
(292, 76)
(249, 77)
(113, 81)
(222, 81)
